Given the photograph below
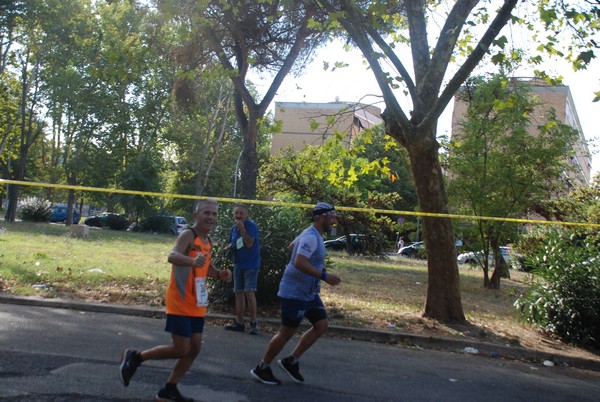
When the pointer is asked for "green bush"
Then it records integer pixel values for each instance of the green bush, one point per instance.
(278, 226)
(531, 246)
(564, 299)
(34, 209)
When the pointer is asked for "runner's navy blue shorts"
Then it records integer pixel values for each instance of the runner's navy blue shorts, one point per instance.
(293, 311)
(184, 326)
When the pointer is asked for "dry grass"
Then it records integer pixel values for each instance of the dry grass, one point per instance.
(390, 295)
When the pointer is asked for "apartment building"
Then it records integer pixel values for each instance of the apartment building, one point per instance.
(305, 123)
(552, 97)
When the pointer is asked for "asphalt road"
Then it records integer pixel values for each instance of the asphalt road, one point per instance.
(56, 354)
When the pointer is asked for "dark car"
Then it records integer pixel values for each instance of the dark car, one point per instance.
(413, 250)
(59, 214)
(340, 243)
(161, 224)
(108, 220)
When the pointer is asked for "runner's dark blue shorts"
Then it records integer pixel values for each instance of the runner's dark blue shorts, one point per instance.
(184, 326)
(293, 311)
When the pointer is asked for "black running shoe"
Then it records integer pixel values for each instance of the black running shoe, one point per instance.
(173, 394)
(293, 370)
(129, 363)
(235, 326)
(264, 375)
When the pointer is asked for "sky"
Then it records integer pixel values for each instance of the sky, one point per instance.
(356, 83)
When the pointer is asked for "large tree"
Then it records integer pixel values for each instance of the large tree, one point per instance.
(499, 166)
(28, 58)
(199, 131)
(375, 28)
(464, 32)
(268, 36)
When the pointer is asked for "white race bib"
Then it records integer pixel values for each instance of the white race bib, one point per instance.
(201, 292)
(240, 242)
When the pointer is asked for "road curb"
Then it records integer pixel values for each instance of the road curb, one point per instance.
(360, 334)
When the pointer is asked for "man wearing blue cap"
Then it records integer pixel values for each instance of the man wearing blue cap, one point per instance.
(299, 292)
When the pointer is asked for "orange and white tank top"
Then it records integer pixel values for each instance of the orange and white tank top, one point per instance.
(186, 282)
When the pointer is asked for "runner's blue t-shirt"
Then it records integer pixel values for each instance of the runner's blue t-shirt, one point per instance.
(245, 257)
(295, 284)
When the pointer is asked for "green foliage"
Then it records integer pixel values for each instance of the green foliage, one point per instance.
(581, 205)
(564, 300)
(203, 125)
(361, 176)
(574, 25)
(142, 173)
(500, 167)
(34, 209)
(278, 226)
(532, 246)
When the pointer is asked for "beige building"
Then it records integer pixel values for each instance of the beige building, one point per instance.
(552, 97)
(314, 123)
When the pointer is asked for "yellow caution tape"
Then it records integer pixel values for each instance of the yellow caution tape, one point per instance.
(298, 205)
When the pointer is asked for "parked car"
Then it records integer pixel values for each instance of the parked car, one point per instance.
(161, 224)
(470, 257)
(59, 214)
(108, 220)
(474, 257)
(357, 241)
(412, 250)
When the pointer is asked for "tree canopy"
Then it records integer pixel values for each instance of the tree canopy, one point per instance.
(499, 166)
(446, 43)
(268, 36)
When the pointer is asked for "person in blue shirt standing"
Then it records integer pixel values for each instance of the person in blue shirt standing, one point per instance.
(245, 245)
(299, 292)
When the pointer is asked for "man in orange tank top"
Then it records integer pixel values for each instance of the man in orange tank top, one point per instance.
(186, 301)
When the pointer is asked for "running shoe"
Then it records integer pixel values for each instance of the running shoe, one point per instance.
(254, 328)
(235, 326)
(130, 361)
(293, 370)
(264, 375)
(173, 394)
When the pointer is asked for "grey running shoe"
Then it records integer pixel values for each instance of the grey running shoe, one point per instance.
(264, 375)
(235, 326)
(254, 328)
(165, 395)
(293, 370)
(130, 361)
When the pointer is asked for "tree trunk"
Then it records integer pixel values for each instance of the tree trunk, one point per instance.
(14, 190)
(70, 208)
(11, 208)
(443, 287)
(249, 161)
(486, 277)
(500, 266)
(13, 198)
(500, 271)
(495, 281)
